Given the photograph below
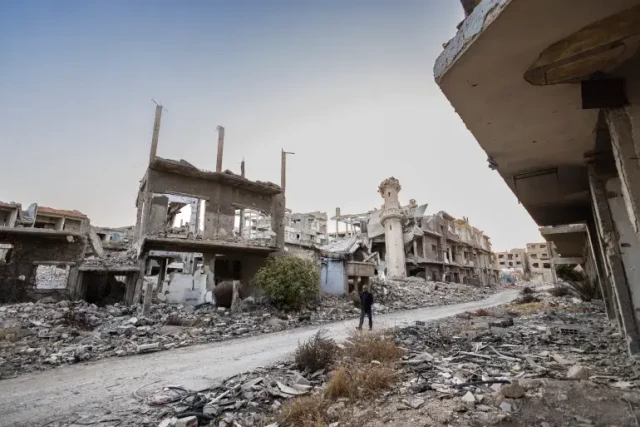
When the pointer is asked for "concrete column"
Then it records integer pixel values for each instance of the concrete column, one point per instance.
(598, 261)
(277, 218)
(132, 280)
(626, 157)
(241, 222)
(424, 247)
(156, 133)
(220, 149)
(552, 254)
(609, 242)
(148, 295)
(142, 267)
(162, 274)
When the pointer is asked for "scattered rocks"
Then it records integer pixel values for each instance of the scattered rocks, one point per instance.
(148, 348)
(191, 421)
(45, 334)
(506, 406)
(513, 390)
(578, 372)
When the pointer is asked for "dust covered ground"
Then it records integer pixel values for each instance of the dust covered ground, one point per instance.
(49, 333)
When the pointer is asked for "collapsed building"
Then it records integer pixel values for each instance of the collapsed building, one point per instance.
(556, 109)
(182, 209)
(303, 232)
(184, 214)
(41, 250)
(55, 252)
(404, 241)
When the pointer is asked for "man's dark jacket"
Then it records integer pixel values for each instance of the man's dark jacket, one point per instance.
(366, 301)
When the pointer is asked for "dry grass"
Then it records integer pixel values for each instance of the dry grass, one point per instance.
(319, 352)
(529, 308)
(527, 298)
(366, 370)
(305, 411)
(341, 384)
(481, 313)
(367, 347)
(358, 381)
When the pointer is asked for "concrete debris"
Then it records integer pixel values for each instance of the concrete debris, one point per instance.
(191, 421)
(494, 375)
(578, 372)
(414, 292)
(506, 406)
(34, 336)
(452, 380)
(513, 390)
(244, 399)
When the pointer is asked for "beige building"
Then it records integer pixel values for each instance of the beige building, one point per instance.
(514, 260)
(539, 261)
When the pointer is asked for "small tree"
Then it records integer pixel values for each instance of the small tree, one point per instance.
(289, 282)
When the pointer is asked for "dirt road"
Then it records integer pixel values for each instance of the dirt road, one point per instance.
(109, 385)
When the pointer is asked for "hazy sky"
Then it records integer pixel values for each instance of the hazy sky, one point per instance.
(345, 84)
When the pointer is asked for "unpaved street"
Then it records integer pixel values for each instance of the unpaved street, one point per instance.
(109, 385)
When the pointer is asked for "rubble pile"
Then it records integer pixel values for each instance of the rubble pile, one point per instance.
(243, 399)
(414, 292)
(562, 365)
(35, 336)
(113, 259)
(485, 365)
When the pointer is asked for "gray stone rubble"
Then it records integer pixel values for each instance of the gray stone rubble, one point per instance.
(36, 336)
(447, 378)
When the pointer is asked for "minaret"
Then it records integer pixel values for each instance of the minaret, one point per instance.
(391, 219)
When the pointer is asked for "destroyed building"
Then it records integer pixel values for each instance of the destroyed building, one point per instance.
(184, 209)
(346, 266)
(409, 242)
(539, 262)
(532, 263)
(41, 250)
(55, 252)
(514, 260)
(303, 232)
(556, 109)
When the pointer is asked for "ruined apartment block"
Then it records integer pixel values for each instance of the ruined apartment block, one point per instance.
(539, 261)
(404, 241)
(513, 260)
(533, 263)
(41, 251)
(183, 209)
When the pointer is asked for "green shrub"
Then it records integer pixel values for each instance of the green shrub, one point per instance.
(288, 282)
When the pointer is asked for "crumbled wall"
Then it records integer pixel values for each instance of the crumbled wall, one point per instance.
(18, 276)
(220, 199)
(303, 252)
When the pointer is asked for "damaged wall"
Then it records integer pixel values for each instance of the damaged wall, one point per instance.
(221, 200)
(35, 256)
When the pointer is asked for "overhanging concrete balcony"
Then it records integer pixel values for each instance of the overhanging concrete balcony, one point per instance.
(512, 73)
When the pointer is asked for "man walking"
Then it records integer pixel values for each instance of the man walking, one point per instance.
(366, 303)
